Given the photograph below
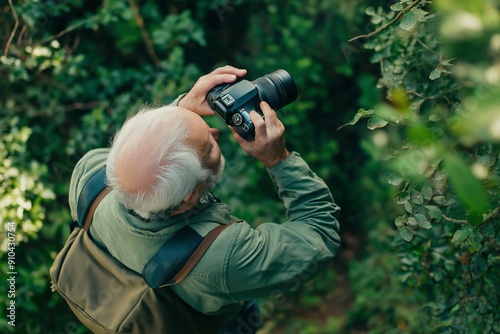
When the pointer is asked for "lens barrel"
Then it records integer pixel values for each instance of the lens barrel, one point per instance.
(276, 88)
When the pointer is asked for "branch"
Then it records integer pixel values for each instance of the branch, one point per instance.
(385, 26)
(145, 35)
(457, 221)
(65, 31)
(13, 32)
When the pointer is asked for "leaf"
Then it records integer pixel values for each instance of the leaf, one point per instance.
(398, 6)
(395, 179)
(412, 221)
(401, 197)
(362, 113)
(468, 188)
(420, 14)
(422, 221)
(436, 73)
(409, 21)
(399, 220)
(406, 233)
(427, 192)
(416, 197)
(408, 206)
(376, 123)
(441, 200)
(460, 235)
(434, 211)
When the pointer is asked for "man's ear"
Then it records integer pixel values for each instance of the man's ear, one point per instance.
(189, 202)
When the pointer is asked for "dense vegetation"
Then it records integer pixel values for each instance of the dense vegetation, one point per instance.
(418, 187)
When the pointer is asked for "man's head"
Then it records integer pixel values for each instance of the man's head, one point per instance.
(164, 159)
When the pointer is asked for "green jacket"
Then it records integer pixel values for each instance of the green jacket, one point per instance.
(244, 262)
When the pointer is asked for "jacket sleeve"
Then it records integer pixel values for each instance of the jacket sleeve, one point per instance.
(274, 258)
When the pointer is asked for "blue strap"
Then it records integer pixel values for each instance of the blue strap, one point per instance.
(171, 257)
(89, 192)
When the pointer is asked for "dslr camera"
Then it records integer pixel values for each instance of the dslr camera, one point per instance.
(234, 102)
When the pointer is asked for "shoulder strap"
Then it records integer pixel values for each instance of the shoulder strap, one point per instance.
(178, 256)
(91, 195)
(175, 259)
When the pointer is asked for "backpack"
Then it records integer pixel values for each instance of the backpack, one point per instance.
(107, 297)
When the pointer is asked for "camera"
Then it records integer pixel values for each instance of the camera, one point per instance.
(234, 102)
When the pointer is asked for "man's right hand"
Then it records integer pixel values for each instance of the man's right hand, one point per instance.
(269, 144)
(195, 99)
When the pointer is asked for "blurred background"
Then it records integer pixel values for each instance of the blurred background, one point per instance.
(398, 111)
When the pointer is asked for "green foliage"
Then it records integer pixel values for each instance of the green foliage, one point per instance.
(73, 71)
(439, 72)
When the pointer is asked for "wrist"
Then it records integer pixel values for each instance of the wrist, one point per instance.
(276, 160)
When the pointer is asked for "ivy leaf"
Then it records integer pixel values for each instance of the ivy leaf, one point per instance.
(416, 197)
(460, 235)
(422, 221)
(434, 211)
(362, 113)
(406, 233)
(395, 179)
(436, 73)
(441, 200)
(469, 189)
(408, 206)
(398, 6)
(412, 221)
(409, 21)
(399, 220)
(427, 192)
(401, 197)
(376, 123)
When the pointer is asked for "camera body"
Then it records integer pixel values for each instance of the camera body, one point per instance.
(234, 102)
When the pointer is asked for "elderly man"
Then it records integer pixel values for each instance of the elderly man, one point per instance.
(163, 164)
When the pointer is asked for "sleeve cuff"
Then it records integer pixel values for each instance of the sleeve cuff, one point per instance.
(288, 170)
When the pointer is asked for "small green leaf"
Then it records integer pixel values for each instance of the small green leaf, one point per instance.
(398, 6)
(408, 206)
(416, 197)
(401, 197)
(406, 233)
(460, 235)
(441, 200)
(376, 123)
(436, 73)
(409, 21)
(422, 221)
(412, 221)
(362, 113)
(427, 192)
(434, 211)
(420, 14)
(370, 11)
(399, 220)
(395, 179)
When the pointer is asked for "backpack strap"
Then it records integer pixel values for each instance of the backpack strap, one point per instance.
(178, 256)
(92, 193)
(175, 259)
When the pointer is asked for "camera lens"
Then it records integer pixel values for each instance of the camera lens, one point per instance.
(276, 88)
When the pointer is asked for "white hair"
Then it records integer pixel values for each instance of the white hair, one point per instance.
(150, 165)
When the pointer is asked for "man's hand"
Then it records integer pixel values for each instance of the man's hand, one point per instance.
(269, 144)
(195, 100)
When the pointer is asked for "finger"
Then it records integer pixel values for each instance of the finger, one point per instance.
(236, 136)
(204, 85)
(259, 123)
(230, 70)
(267, 110)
